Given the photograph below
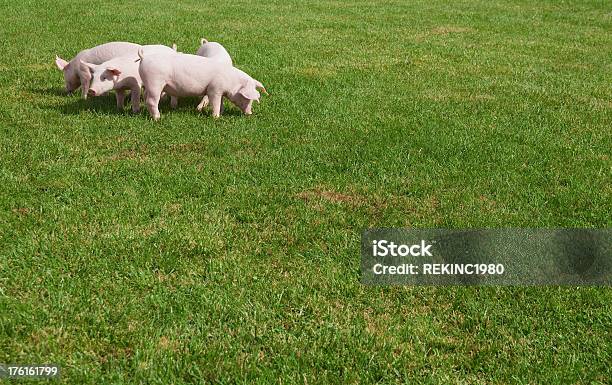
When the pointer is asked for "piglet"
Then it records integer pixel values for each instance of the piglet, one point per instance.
(214, 51)
(120, 74)
(74, 77)
(191, 75)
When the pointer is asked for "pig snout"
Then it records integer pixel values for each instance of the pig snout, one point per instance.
(91, 92)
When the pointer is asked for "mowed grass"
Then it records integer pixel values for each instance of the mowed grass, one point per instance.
(194, 250)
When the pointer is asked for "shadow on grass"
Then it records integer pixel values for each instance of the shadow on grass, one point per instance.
(106, 104)
(188, 105)
(49, 91)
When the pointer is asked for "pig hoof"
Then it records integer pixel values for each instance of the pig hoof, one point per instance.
(136, 110)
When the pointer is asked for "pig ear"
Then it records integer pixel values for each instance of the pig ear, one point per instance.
(60, 63)
(87, 66)
(114, 70)
(203, 41)
(174, 47)
(249, 92)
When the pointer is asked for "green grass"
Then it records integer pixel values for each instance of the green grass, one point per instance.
(227, 251)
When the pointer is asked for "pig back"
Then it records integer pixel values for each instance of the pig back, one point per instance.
(186, 75)
(108, 51)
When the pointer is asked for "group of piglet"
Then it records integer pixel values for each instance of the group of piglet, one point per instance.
(161, 70)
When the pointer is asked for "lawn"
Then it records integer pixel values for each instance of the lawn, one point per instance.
(195, 250)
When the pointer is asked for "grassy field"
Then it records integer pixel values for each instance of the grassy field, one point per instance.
(195, 250)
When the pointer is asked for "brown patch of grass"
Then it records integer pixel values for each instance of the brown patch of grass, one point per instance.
(320, 194)
(166, 343)
(148, 231)
(376, 205)
(47, 333)
(115, 353)
(487, 203)
(21, 211)
(376, 324)
(445, 30)
(174, 208)
(132, 326)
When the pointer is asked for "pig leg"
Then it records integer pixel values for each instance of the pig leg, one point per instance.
(203, 103)
(247, 110)
(85, 80)
(216, 103)
(120, 96)
(136, 100)
(153, 95)
(173, 102)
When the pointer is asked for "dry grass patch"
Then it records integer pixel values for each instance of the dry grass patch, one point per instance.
(445, 30)
(321, 194)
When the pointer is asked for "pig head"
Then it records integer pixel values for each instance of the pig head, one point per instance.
(74, 77)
